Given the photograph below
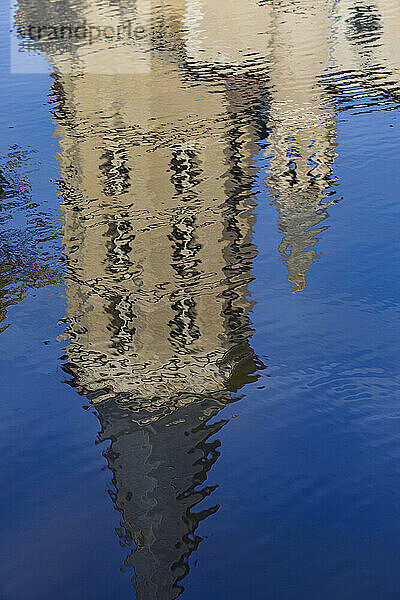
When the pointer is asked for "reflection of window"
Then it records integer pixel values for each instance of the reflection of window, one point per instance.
(183, 327)
(119, 263)
(185, 247)
(115, 172)
(184, 167)
(122, 323)
(122, 236)
(364, 24)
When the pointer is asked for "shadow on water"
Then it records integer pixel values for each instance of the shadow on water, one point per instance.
(156, 183)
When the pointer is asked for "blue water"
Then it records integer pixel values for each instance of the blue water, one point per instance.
(302, 489)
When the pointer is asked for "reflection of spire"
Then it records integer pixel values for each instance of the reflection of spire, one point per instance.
(159, 473)
(300, 181)
(310, 82)
(300, 224)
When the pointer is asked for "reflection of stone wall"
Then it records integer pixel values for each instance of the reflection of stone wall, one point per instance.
(157, 225)
(157, 237)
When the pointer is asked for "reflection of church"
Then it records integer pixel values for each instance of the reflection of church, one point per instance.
(157, 231)
(158, 238)
(156, 180)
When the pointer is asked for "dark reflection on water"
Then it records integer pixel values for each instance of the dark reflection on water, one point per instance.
(157, 172)
(160, 477)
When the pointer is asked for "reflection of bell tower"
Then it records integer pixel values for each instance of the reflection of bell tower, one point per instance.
(158, 245)
(157, 229)
(157, 298)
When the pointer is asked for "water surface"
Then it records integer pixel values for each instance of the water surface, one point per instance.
(199, 300)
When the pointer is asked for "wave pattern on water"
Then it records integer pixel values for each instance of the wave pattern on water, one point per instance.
(165, 161)
(28, 241)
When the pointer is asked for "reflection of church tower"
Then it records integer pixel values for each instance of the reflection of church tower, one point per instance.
(156, 179)
(158, 243)
(157, 228)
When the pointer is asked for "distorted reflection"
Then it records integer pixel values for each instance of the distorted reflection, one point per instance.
(157, 171)
(158, 301)
(25, 263)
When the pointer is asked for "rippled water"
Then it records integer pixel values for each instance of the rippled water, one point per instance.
(199, 300)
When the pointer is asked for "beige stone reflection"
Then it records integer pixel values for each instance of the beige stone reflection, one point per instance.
(156, 224)
(154, 308)
(317, 56)
(157, 168)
